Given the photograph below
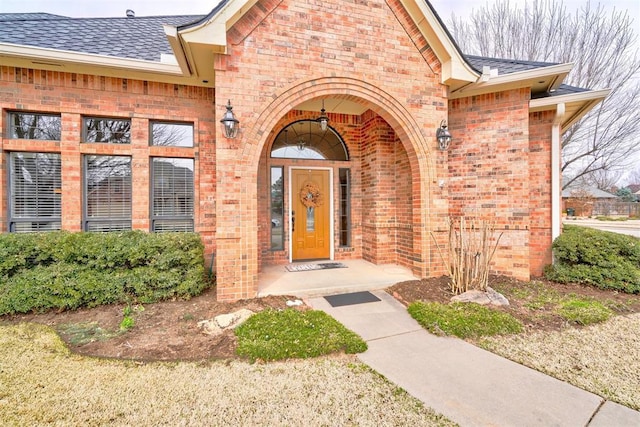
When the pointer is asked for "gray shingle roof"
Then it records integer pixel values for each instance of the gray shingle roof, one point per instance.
(563, 89)
(144, 38)
(505, 66)
(134, 38)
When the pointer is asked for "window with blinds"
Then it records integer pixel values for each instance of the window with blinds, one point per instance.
(104, 130)
(172, 194)
(35, 191)
(107, 193)
(34, 126)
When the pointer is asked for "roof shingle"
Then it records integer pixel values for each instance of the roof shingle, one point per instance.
(134, 38)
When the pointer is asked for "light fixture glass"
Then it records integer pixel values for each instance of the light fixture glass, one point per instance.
(323, 120)
(230, 125)
(443, 136)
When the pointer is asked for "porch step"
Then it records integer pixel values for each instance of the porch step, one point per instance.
(359, 276)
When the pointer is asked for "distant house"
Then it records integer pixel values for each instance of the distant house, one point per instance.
(590, 201)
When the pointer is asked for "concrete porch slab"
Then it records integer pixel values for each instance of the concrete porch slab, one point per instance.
(359, 275)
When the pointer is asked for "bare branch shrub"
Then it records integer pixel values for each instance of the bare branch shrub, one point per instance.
(470, 253)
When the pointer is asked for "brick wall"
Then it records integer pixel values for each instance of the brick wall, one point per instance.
(540, 237)
(75, 96)
(386, 191)
(489, 171)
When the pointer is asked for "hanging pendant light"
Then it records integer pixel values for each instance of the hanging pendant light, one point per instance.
(323, 120)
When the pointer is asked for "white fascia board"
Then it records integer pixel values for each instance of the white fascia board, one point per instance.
(454, 66)
(550, 102)
(493, 83)
(46, 54)
(214, 31)
(174, 41)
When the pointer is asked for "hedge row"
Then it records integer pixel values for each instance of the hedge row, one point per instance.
(62, 270)
(598, 258)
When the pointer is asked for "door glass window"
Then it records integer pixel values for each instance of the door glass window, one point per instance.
(311, 219)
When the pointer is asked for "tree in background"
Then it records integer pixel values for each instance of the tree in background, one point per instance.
(602, 47)
(626, 195)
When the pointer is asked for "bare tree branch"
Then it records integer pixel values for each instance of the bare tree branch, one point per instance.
(602, 47)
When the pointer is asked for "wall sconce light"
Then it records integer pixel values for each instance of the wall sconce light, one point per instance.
(230, 125)
(443, 136)
(323, 119)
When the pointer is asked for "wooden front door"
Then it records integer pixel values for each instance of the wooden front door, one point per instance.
(310, 204)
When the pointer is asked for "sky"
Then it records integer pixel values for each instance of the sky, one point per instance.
(111, 8)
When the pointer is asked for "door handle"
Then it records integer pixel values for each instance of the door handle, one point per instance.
(293, 221)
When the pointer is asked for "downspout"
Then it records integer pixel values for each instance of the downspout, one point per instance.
(556, 176)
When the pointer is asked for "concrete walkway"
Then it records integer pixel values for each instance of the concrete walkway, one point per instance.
(468, 385)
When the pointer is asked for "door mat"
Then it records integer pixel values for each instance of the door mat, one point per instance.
(309, 267)
(351, 299)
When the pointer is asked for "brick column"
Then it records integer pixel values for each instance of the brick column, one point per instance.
(71, 172)
(140, 170)
(236, 220)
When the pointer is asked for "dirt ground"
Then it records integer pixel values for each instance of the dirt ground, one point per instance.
(169, 330)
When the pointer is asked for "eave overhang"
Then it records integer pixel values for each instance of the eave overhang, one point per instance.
(540, 80)
(456, 71)
(86, 63)
(195, 45)
(576, 105)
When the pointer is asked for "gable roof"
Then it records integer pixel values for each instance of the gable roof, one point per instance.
(192, 41)
(178, 49)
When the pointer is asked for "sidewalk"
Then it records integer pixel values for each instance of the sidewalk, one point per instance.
(468, 385)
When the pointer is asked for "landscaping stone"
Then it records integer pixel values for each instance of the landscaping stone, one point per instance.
(496, 297)
(219, 323)
(490, 297)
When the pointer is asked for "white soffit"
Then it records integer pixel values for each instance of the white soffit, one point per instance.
(196, 45)
(542, 79)
(576, 104)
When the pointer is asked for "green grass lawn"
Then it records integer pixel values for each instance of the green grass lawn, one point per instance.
(284, 334)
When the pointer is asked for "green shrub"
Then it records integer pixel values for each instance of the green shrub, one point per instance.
(62, 270)
(464, 320)
(598, 258)
(283, 334)
(584, 311)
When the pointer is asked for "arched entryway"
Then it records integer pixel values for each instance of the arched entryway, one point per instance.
(345, 193)
(243, 181)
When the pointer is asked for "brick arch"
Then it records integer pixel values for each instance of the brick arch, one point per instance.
(384, 104)
(404, 124)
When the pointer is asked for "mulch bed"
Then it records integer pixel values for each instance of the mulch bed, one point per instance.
(169, 330)
(540, 319)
